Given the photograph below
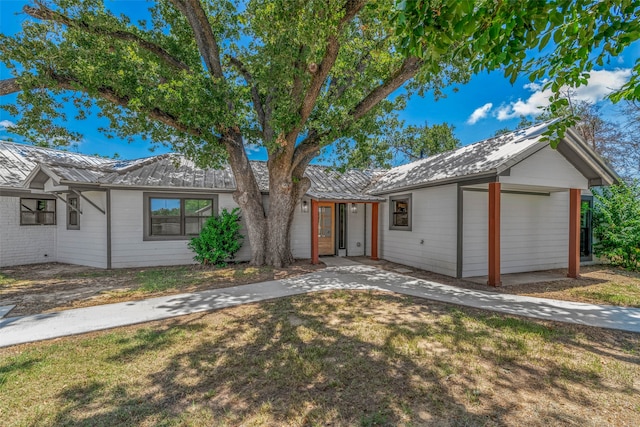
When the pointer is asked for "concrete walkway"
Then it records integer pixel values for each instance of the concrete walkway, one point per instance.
(18, 330)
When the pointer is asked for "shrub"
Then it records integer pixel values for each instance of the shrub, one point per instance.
(219, 240)
(616, 224)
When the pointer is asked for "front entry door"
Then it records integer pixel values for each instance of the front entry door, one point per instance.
(326, 229)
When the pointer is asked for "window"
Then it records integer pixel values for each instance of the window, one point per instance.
(400, 212)
(73, 212)
(174, 217)
(37, 212)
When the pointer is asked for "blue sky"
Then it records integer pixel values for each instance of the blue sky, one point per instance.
(487, 103)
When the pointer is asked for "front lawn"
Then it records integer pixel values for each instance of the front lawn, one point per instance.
(338, 358)
(51, 287)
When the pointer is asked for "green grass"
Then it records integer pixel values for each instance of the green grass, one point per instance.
(6, 280)
(612, 293)
(343, 358)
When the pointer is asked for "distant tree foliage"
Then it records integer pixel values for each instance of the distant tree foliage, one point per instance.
(398, 144)
(616, 220)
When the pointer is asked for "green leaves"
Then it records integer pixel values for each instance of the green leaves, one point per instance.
(498, 35)
(616, 219)
(219, 240)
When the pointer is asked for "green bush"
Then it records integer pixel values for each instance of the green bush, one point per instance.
(616, 224)
(219, 240)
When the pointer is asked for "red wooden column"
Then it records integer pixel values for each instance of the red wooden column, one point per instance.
(494, 234)
(374, 231)
(574, 233)
(314, 232)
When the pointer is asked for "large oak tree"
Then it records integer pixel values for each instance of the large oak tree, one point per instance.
(210, 77)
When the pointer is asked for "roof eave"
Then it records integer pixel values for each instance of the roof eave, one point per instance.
(493, 173)
(605, 173)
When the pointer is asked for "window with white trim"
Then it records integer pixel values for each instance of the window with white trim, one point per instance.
(37, 211)
(400, 212)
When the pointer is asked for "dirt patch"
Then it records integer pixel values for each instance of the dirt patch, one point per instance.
(43, 288)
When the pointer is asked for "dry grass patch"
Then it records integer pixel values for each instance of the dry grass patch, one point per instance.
(52, 287)
(333, 358)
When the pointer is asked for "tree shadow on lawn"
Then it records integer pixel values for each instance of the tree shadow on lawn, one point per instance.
(318, 360)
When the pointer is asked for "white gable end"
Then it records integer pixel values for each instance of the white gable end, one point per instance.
(546, 168)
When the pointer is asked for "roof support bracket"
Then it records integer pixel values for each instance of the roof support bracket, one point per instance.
(79, 193)
(63, 200)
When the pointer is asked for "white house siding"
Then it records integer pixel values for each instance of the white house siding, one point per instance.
(88, 245)
(24, 244)
(130, 250)
(534, 232)
(355, 231)
(300, 236)
(434, 224)
(546, 168)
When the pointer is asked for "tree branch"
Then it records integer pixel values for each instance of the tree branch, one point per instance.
(205, 39)
(258, 105)
(352, 7)
(311, 144)
(9, 86)
(408, 70)
(44, 13)
(67, 83)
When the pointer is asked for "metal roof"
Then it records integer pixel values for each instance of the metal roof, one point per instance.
(479, 158)
(18, 160)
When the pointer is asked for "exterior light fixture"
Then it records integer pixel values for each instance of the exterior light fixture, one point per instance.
(305, 206)
(354, 208)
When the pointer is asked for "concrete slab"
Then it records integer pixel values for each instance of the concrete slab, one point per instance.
(402, 270)
(5, 309)
(337, 261)
(521, 278)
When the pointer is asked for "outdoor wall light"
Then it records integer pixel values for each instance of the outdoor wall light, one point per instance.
(354, 208)
(305, 206)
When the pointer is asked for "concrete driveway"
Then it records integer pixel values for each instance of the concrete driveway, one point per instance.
(349, 276)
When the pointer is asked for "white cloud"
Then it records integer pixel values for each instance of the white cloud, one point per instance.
(479, 113)
(601, 84)
(6, 124)
(252, 148)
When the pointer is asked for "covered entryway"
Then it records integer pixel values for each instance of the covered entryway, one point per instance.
(329, 234)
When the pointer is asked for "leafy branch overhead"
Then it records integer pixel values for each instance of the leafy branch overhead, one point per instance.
(557, 41)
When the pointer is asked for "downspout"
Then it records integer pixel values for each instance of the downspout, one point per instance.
(108, 228)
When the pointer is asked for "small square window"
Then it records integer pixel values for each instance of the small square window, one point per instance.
(400, 212)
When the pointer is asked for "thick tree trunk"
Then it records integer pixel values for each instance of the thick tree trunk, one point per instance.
(285, 191)
(268, 232)
(248, 197)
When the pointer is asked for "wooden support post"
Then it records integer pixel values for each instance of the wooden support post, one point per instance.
(574, 233)
(374, 231)
(315, 259)
(494, 234)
